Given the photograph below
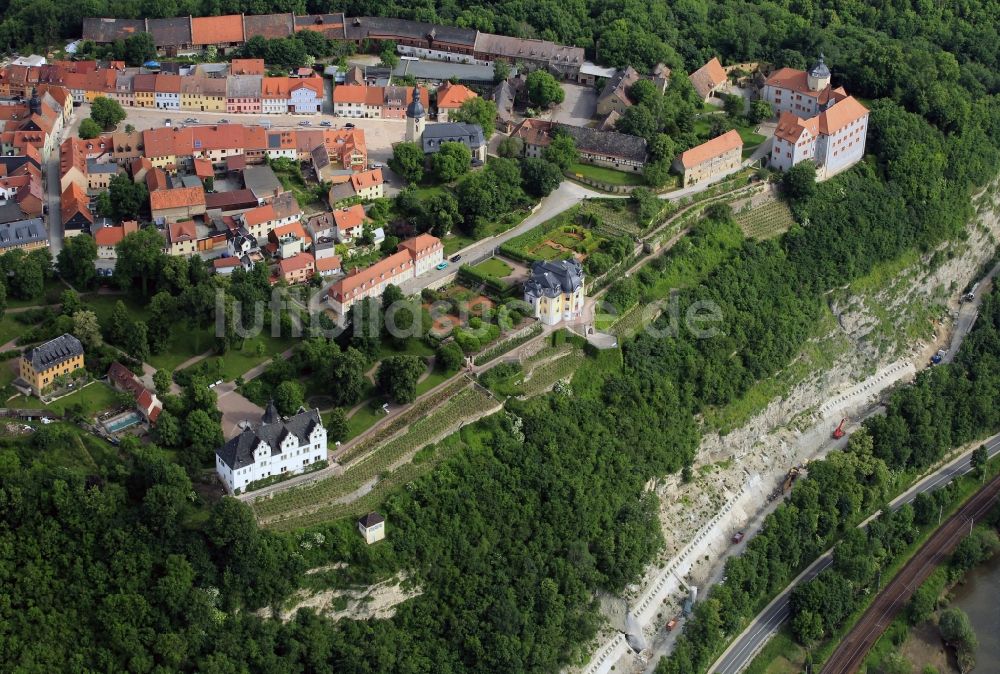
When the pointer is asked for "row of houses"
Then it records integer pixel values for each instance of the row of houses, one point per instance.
(243, 89)
(181, 35)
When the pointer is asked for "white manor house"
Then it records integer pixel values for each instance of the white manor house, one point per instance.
(815, 121)
(555, 290)
(275, 446)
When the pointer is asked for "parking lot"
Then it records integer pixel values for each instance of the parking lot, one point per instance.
(380, 134)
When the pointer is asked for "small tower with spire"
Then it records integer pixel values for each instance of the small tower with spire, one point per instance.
(271, 415)
(416, 117)
(818, 77)
(35, 103)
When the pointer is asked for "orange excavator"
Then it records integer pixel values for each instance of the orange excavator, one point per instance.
(838, 432)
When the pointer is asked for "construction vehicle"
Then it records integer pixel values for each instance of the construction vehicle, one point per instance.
(737, 537)
(793, 474)
(671, 624)
(838, 432)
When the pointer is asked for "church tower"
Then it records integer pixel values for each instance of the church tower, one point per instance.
(416, 117)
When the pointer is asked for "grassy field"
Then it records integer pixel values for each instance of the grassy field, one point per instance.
(455, 242)
(606, 175)
(237, 362)
(494, 267)
(95, 397)
(362, 420)
(765, 222)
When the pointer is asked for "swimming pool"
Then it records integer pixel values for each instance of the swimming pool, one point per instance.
(122, 422)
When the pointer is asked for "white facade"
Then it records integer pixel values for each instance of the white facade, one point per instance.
(304, 100)
(168, 101)
(274, 106)
(273, 447)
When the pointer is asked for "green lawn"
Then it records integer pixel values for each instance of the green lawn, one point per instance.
(548, 252)
(455, 242)
(606, 175)
(433, 379)
(185, 343)
(95, 397)
(494, 267)
(237, 362)
(750, 137)
(362, 420)
(10, 328)
(414, 347)
(103, 305)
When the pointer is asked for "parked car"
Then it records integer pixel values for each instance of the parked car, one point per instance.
(166, 122)
(441, 265)
(305, 122)
(376, 165)
(349, 125)
(326, 122)
(223, 121)
(456, 258)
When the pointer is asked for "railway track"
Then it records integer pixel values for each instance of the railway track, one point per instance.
(851, 652)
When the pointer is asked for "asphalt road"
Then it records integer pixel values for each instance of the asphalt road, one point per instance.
(53, 218)
(567, 195)
(742, 650)
(853, 648)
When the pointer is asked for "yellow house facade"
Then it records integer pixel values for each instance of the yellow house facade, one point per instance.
(555, 290)
(203, 94)
(39, 367)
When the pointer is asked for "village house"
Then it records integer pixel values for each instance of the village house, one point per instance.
(614, 96)
(469, 135)
(708, 79)
(274, 446)
(177, 203)
(146, 402)
(110, 236)
(602, 148)
(296, 269)
(718, 157)
(74, 207)
(40, 366)
(182, 238)
(450, 98)
(349, 222)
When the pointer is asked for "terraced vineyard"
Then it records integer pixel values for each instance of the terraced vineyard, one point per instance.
(545, 375)
(611, 221)
(383, 468)
(386, 431)
(767, 221)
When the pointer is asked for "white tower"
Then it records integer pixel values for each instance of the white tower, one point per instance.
(818, 77)
(416, 117)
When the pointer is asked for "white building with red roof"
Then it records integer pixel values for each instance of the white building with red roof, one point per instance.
(816, 122)
(414, 257)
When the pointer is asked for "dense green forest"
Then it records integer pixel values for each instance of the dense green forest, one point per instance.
(510, 539)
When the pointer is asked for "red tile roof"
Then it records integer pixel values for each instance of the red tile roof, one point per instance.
(719, 145)
(217, 29)
(247, 67)
(332, 263)
(178, 197)
(203, 168)
(349, 217)
(451, 96)
(840, 114)
(295, 263)
(364, 179)
(182, 231)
